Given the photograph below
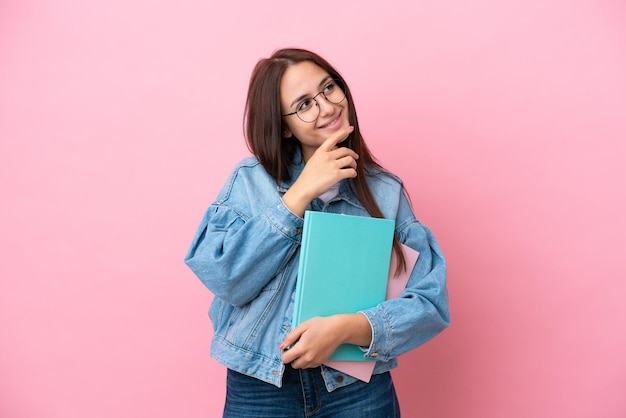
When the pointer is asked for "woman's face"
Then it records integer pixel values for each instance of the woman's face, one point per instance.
(304, 81)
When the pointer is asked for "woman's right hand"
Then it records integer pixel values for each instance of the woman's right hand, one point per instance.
(327, 166)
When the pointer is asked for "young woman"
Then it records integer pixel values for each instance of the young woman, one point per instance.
(302, 127)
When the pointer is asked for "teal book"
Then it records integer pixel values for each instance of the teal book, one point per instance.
(344, 266)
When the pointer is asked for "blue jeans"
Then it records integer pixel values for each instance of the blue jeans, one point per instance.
(303, 394)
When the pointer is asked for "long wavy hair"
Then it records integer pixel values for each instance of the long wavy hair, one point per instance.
(264, 128)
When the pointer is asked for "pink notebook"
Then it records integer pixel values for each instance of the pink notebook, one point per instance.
(362, 370)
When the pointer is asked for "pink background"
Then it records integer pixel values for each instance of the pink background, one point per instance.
(120, 121)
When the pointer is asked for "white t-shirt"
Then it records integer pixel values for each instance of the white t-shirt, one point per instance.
(330, 193)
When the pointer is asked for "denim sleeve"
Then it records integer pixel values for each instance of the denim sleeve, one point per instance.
(236, 254)
(399, 325)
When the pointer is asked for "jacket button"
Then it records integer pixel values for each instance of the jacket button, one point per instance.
(339, 379)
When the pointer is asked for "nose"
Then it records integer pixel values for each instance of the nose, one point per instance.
(324, 105)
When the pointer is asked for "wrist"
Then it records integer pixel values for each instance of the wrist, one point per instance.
(296, 201)
(355, 329)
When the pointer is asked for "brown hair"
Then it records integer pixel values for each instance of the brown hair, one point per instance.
(264, 128)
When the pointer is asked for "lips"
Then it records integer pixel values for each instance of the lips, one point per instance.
(331, 122)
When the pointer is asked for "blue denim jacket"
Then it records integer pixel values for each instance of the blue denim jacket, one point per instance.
(246, 252)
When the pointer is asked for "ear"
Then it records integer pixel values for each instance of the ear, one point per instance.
(286, 132)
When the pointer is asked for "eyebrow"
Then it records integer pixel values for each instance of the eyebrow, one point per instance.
(324, 80)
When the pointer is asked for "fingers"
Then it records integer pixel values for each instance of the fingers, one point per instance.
(288, 356)
(295, 353)
(324, 168)
(291, 338)
(346, 166)
(347, 162)
(290, 353)
(303, 363)
(300, 359)
(316, 341)
(339, 136)
(339, 153)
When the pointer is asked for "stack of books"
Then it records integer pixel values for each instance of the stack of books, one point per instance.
(346, 265)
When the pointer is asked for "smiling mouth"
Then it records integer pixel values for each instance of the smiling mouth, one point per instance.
(332, 122)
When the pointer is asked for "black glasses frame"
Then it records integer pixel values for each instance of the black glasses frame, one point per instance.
(339, 84)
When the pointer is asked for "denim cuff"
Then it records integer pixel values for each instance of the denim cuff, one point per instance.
(285, 221)
(379, 347)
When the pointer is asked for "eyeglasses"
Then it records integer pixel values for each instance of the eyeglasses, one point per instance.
(308, 110)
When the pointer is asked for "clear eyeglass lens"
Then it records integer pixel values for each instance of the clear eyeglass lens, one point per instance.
(332, 92)
(309, 113)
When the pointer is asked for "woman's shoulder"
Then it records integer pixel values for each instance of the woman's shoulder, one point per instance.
(248, 178)
(248, 175)
(247, 162)
(378, 175)
(248, 167)
(389, 192)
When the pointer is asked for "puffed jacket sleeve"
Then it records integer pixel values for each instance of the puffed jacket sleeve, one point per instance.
(401, 324)
(236, 252)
